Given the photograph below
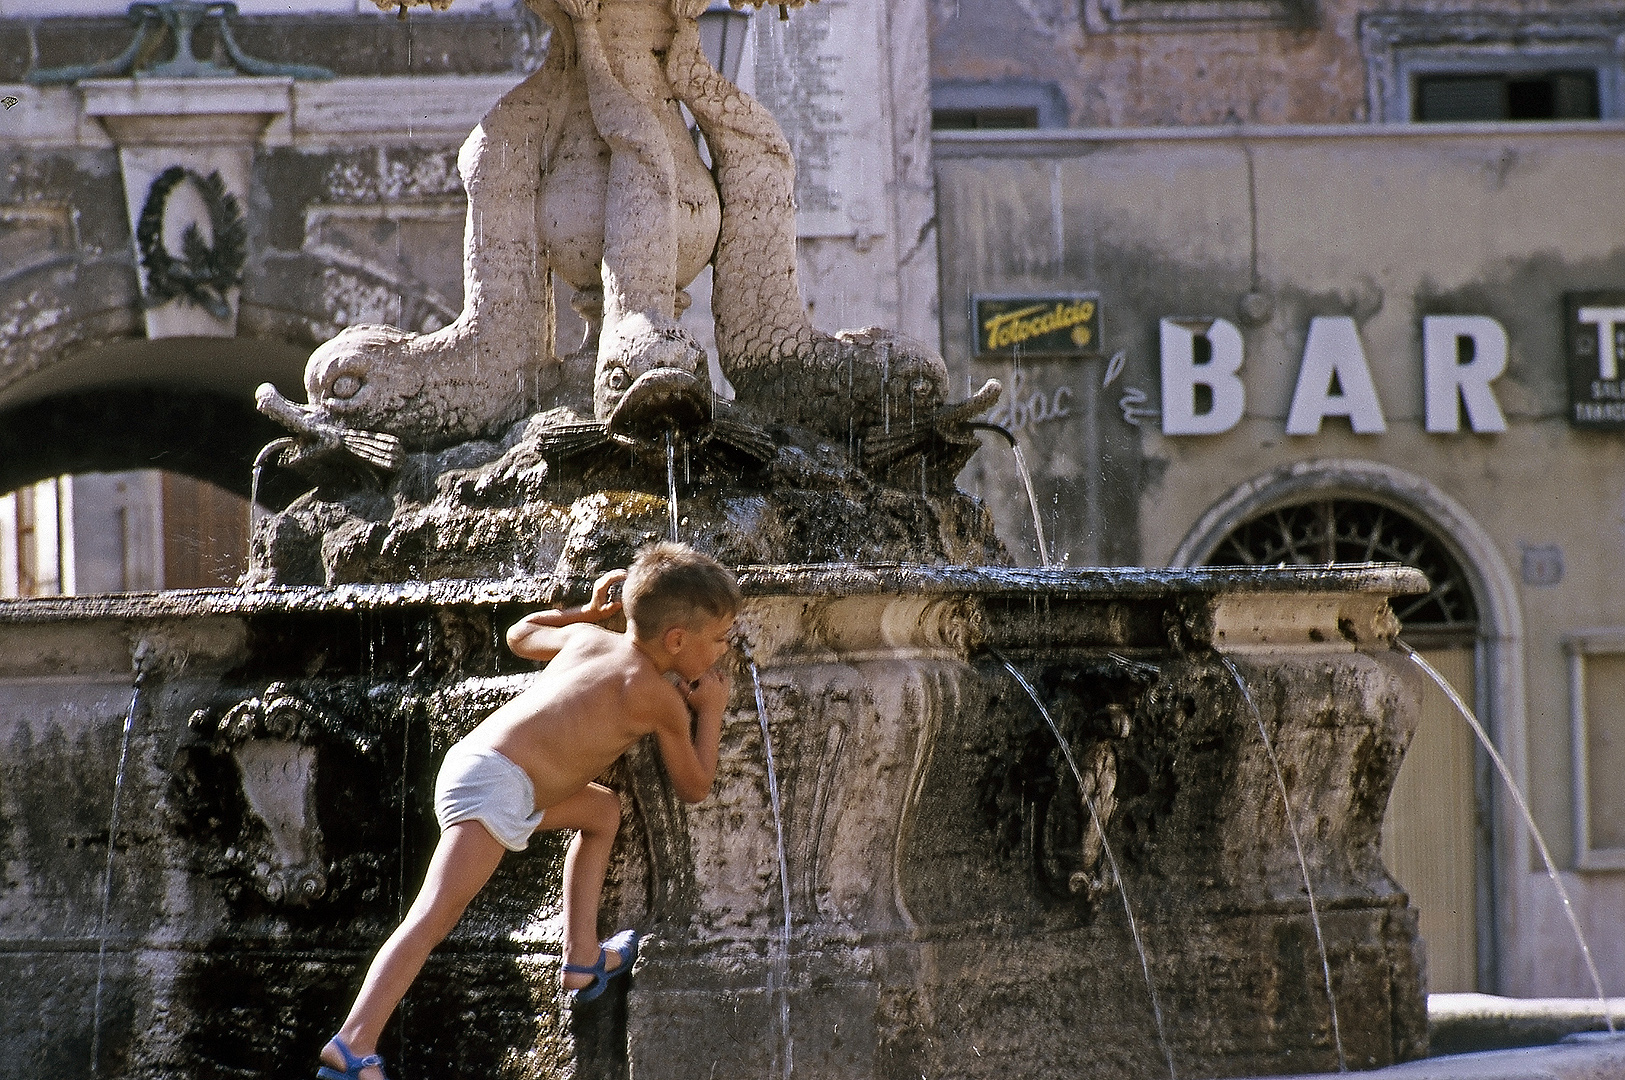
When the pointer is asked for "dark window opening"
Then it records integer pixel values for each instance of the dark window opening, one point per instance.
(990, 119)
(1550, 95)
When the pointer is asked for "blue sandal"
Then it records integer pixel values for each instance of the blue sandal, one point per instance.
(352, 1064)
(623, 945)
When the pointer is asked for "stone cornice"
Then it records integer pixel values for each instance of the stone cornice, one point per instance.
(423, 110)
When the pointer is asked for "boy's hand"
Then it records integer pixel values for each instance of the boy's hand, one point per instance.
(709, 692)
(603, 604)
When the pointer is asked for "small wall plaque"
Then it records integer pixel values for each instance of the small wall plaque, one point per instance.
(1596, 353)
(1060, 325)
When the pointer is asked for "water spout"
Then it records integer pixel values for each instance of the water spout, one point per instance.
(1297, 844)
(784, 869)
(267, 452)
(671, 483)
(1117, 874)
(107, 879)
(1529, 820)
(1026, 481)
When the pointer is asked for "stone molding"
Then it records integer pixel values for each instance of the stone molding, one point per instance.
(1397, 45)
(1185, 16)
(435, 109)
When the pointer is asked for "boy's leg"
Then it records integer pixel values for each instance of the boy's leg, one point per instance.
(463, 862)
(595, 812)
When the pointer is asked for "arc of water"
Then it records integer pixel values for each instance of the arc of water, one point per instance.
(269, 450)
(671, 483)
(1528, 818)
(1303, 864)
(1105, 846)
(1026, 481)
(784, 865)
(107, 880)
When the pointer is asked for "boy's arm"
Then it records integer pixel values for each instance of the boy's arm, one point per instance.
(688, 743)
(540, 635)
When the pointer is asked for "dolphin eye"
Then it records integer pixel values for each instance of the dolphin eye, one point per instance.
(345, 386)
(616, 379)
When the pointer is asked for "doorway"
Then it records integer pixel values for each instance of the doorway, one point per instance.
(1432, 840)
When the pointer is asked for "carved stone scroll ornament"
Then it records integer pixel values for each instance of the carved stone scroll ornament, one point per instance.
(273, 741)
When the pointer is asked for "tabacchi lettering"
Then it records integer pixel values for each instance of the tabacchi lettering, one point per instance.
(1024, 324)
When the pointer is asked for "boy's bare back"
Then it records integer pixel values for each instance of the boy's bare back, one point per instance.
(603, 690)
(598, 696)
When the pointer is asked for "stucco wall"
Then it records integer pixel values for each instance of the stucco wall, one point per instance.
(1131, 63)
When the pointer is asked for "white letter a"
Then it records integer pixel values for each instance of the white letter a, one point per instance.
(1333, 351)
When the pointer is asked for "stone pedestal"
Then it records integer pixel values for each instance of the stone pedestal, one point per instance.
(952, 909)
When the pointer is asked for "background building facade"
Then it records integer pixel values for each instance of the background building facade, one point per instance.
(1356, 272)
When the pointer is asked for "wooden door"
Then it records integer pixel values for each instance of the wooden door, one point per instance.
(1429, 839)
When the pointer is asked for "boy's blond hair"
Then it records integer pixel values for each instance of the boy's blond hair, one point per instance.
(670, 584)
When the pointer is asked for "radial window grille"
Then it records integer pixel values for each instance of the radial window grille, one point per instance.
(1325, 531)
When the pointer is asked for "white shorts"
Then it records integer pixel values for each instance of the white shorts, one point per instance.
(479, 784)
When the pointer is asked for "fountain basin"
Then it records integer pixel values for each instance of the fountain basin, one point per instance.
(952, 908)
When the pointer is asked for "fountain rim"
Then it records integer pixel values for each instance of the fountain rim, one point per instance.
(759, 581)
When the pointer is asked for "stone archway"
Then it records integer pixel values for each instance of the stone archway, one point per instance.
(196, 433)
(129, 488)
(1479, 634)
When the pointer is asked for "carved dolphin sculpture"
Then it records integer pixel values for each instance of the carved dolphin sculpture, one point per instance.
(646, 381)
(492, 364)
(317, 436)
(938, 435)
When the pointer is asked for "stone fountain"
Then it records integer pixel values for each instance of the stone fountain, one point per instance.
(922, 887)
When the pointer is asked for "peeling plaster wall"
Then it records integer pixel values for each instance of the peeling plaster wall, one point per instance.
(1138, 63)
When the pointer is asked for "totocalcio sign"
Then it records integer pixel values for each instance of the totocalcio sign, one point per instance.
(1056, 325)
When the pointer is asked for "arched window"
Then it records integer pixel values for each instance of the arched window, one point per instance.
(1318, 531)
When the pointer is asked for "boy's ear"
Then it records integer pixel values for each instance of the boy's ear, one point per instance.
(674, 637)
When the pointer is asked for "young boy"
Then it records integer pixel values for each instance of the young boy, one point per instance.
(530, 766)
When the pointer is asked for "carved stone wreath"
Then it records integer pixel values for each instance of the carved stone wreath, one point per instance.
(204, 273)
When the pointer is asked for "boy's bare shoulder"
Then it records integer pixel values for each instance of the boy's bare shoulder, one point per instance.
(615, 655)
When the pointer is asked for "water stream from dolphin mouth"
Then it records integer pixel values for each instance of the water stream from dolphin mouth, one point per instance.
(1297, 844)
(107, 881)
(267, 452)
(671, 482)
(1026, 482)
(780, 982)
(1528, 818)
(1117, 875)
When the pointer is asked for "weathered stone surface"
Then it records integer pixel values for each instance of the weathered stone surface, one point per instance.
(950, 912)
(533, 504)
(468, 41)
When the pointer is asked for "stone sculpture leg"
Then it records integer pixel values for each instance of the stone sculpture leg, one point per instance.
(490, 366)
(640, 332)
